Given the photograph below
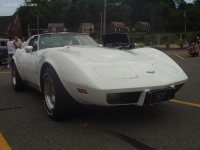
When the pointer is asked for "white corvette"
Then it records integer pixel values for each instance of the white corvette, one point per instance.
(71, 68)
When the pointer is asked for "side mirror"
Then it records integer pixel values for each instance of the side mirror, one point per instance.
(28, 48)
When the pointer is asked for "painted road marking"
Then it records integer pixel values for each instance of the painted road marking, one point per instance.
(179, 56)
(187, 57)
(185, 103)
(3, 144)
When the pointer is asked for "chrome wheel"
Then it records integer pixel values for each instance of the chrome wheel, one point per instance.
(49, 93)
(57, 101)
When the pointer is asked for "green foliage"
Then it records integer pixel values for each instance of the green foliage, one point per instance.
(137, 38)
(181, 45)
(165, 38)
(114, 13)
(164, 15)
(167, 45)
(197, 3)
(140, 44)
(95, 35)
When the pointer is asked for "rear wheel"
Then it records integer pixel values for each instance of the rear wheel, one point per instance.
(17, 81)
(57, 101)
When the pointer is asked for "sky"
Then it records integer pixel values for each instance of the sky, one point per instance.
(8, 7)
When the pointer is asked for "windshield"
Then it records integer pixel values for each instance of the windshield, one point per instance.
(60, 40)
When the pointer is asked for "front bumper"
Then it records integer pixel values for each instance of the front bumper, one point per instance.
(139, 97)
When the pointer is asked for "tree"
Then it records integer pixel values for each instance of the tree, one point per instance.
(72, 18)
(193, 17)
(114, 14)
(164, 15)
(197, 3)
(180, 3)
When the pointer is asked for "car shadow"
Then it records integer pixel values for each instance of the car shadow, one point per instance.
(122, 114)
(96, 114)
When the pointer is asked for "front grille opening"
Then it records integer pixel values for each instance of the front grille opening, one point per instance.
(123, 98)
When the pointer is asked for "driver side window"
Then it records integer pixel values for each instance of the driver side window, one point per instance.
(34, 43)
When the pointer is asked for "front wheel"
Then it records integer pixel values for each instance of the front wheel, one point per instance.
(57, 101)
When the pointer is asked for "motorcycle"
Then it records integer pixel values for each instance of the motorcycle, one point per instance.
(193, 48)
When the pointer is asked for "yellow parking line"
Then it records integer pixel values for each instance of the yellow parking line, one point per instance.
(3, 144)
(185, 103)
(179, 56)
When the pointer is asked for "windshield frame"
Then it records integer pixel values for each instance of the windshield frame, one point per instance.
(65, 39)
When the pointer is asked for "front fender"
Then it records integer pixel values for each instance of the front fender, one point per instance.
(69, 70)
(18, 58)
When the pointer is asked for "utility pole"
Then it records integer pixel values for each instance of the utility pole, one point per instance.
(37, 24)
(28, 30)
(185, 22)
(104, 17)
(101, 23)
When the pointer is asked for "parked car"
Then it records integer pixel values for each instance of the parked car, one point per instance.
(71, 68)
(3, 51)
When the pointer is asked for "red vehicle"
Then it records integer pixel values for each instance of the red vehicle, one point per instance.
(193, 48)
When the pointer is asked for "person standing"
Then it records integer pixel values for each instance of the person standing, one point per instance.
(23, 42)
(17, 43)
(11, 50)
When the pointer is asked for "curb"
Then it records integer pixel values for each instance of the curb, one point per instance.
(184, 48)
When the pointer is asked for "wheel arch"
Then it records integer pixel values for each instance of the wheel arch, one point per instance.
(43, 68)
(68, 72)
(13, 60)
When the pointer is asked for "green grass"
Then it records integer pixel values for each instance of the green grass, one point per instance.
(165, 38)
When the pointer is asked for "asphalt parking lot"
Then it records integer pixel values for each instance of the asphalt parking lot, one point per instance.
(173, 125)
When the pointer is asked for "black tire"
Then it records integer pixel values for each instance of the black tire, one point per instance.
(194, 54)
(57, 101)
(17, 81)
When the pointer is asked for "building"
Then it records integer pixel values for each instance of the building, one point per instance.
(127, 29)
(142, 26)
(10, 26)
(87, 28)
(117, 27)
(56, 27)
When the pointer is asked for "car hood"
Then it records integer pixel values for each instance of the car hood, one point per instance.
(115, 38)
(119, 64)
(99, 54)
